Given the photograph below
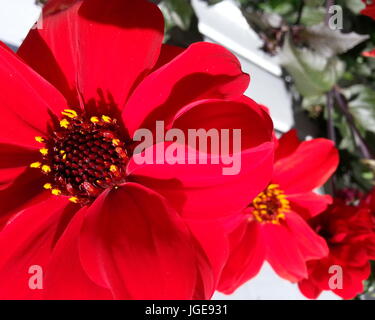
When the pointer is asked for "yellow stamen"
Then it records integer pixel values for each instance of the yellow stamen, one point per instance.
(62, 151)
(113, 168)
(281, 216)
(74, 199)
(35, 165)
(64, 123)
(273, 186)
(47, 186)
(64, 156)
(70, 113)
(44, 151)
(271, 205)
(94, 119)
(39, 139)
(116, 142)
(106, 119)
(56, 192)
(46, 169)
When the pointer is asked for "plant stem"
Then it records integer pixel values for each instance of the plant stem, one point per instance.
(331, 134)
(330, 124)
(300, 11)
(343, 105)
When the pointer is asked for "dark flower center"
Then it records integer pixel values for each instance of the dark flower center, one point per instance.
(83, 157)
(271, 205)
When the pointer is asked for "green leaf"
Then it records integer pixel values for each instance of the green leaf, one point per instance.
(177, 13)
(362, 106)
(312, 15)
(347, 142)
(262, 21)
(313, 73)
(330, 42)
(354, 5)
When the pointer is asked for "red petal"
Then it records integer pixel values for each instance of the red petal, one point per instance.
(55, 60)
(288, 143)
(283, 252)
(28, 104)
(309, 204)
(369, 54)
(369, 10)
(353, 281)
(212, 239)
(255, 124)
(54, 6)
(202, 190)
(3, 45)
(25, 190)
(65, 277)
(105, 49)
(309, 289)
(29, 240)
(13, 160)
(167, 54)
(309, 167)
(245, 260)
(203, 71)
(310, 244)
(8, 176)
(122, 40)
(132, 243)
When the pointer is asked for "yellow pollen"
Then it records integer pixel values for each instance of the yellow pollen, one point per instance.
(70, 113)
(94, 119)
(47, 186)
(113, 168)
(116, 142)
(281, 216)
(271, 205)
(56, 192)
(44, 151)
(64, 123)
(74, 199)
(106, 119)
(39, 139)
(62, 151)
(46, 169)
(35, 165)
(64, 156)
(273, 186)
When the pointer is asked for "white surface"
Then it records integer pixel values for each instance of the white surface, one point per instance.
(16, 19)
(267, 285)
(18, 16)
(224, 24)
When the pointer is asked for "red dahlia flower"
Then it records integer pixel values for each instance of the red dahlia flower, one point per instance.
(369, 201)
(369, 54)
(103, 226)
(370, 8)
(348, 231)
(273, 226)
